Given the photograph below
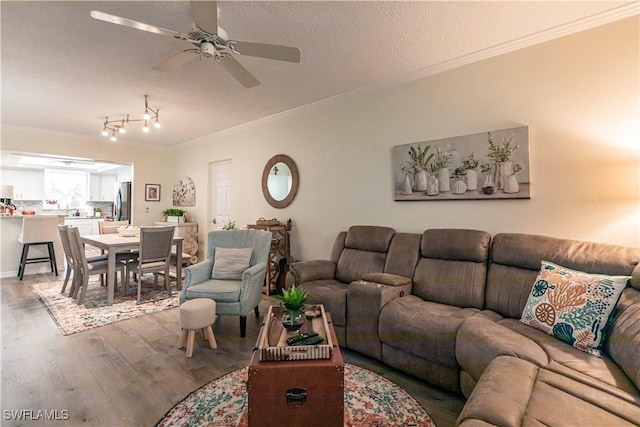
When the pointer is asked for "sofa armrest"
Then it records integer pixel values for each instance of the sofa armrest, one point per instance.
(387, 279)
(365, 301)
(307, 271)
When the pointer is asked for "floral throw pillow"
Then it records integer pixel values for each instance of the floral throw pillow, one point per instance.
(572, 305)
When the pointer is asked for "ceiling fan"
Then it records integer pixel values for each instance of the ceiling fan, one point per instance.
(210, 41)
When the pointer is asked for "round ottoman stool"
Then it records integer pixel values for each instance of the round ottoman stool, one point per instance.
(199, 313)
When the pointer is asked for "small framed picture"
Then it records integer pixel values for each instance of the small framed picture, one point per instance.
(152, 192)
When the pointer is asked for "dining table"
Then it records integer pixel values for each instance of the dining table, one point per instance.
(114, 243)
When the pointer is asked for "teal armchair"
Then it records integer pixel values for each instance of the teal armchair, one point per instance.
(235, 296)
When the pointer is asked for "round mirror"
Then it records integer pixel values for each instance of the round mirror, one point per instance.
(280, 181)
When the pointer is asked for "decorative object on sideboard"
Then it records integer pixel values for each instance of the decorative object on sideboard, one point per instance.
(279, 254)
(506, 153)
(114, 127)
(174, 215)
(280, 180)
(152, 192)
(184, 192)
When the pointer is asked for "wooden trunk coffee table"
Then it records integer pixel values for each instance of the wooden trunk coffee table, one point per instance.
(297, 392)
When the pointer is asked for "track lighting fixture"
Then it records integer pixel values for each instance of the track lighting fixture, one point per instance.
(113, 127)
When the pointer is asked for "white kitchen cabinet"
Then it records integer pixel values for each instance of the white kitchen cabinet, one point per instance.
(101, 187)
(27, 184)
(108, 187)
(85, 225)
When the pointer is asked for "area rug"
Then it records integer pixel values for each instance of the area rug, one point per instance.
(369, 400)
(72, 318)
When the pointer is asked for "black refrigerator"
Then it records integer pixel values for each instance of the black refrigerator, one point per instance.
(122, 202)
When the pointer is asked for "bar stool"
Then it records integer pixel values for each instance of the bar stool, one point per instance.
(38, 231)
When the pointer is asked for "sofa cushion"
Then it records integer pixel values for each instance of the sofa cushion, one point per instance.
(603, 369)
(369, 238)
(532, 396)
(230, 263)
(515, 262)
(572, 305)
(365, 251)
(332, 294)
(452, 267)
(403, 255)
(623, 342)
(480, 340)
(423, 328)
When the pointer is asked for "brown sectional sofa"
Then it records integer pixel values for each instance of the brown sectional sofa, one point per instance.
(445, 306)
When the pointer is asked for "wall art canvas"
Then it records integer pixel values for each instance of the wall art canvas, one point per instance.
(490, 165)
(184, 192)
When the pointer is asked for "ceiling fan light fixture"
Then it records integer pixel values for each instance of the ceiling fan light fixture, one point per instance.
(113, 127)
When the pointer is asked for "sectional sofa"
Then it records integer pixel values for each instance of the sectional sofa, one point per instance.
(499, 319)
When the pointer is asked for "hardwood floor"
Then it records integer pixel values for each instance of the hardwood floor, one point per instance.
(130, 373)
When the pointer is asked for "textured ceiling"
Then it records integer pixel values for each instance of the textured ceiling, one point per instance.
(64, 71)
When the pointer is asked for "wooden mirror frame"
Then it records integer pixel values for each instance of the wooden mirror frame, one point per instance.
(295, 180)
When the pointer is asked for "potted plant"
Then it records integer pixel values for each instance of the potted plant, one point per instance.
(174, 215)
(97, 212)
(443, 161)
(459, 186)
(500, 154)
(293, 299)
(229, 225)
(419, 162)
(471, 164)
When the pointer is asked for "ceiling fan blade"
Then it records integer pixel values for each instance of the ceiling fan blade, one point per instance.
(205, 15)
(101, 16)
(176, 61)
(238, 72)
(270, 51)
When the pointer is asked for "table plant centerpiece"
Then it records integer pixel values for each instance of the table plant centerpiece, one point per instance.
(293, 299)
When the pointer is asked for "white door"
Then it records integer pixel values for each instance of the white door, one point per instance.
(220, 196)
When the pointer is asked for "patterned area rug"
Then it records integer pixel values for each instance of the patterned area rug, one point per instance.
(72, 318)
(369, 400)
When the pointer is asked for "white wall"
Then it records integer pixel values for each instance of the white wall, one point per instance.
(149, 164)
(578, 94)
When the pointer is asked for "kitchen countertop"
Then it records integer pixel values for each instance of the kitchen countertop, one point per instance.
(4, 216)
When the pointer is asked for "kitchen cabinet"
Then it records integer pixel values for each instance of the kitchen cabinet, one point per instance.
(84, 225)
(101, 187)
(27, 184)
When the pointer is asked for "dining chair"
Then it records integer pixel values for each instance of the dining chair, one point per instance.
(72, 265)
(154, 257)
(85, 267)
(110, 227)
(232, 274)
(38, 231)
